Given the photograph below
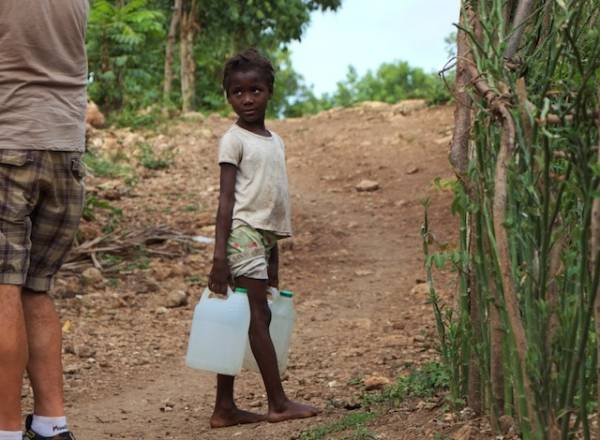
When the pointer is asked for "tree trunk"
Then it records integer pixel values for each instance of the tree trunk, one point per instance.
(595, 248)
(459, 149)
(188, 64)
(496, 353)
(170, 50)
(474, 399)
(459, 158)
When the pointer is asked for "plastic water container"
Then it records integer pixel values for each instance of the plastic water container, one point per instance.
(282, 326)
(283, 317)
(219, 333)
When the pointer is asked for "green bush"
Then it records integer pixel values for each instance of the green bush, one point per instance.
(424, 381)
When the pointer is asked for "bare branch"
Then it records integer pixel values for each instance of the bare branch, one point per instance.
(521, 16)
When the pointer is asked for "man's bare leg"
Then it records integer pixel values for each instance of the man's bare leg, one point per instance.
(13, 356)
(45, 369)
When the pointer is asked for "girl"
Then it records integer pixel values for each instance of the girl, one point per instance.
(254, 212)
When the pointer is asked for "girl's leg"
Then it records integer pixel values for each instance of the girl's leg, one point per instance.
(226, 413)
(280, 407)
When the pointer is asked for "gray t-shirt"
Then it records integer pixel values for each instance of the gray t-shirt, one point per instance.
(261, 187)
(43, 73)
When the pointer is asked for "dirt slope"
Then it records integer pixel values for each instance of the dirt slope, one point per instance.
(354, 263)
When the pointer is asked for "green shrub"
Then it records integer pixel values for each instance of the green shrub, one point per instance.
(149, 160)
(424, 381)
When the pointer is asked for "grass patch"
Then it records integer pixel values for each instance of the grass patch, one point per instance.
(442, 185)
(152, 118)
(195, 280)
(425, 381)
(422, 382)
(102, 167)
(148, 158)
(110, 260)
(354, 422)
(93, 204)
(141, 261)
(355, 381)
(361, 433)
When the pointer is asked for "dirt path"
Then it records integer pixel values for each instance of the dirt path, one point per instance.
(354, 263)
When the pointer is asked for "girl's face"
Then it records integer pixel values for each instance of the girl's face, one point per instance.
(248, 93)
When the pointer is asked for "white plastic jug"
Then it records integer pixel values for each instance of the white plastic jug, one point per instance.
(219, 333)
(283, 316)
(282, 326)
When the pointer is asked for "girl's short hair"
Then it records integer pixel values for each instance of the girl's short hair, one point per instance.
(250, 59)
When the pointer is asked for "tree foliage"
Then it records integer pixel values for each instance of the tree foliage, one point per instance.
(123, 39)
(127, 41)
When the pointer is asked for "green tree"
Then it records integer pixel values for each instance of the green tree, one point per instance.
(221, 29)
(122, 40)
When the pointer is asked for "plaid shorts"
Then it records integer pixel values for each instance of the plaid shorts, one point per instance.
(41, 200)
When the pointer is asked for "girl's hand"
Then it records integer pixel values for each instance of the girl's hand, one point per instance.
(219, 277)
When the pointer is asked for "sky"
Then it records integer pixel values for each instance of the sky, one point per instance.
(366, 33)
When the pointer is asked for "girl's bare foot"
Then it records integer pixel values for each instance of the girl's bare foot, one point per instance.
(235, 416)
(292, 410)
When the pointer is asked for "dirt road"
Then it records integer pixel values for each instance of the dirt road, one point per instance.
(354, 264)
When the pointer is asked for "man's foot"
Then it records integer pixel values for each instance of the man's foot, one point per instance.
(30, 435)
(235, 416)
(292, 410)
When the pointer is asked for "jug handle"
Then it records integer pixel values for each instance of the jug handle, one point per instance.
(207, 294)
(274, 292)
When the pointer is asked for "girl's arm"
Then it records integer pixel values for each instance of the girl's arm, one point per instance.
(273, 269)
(220, 275)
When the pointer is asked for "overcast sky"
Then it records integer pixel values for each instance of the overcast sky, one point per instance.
(366, 33)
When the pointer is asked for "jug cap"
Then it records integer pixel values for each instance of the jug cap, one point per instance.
(241, 290)
(287, 293)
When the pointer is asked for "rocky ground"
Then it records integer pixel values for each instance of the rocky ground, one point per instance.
(358, 178)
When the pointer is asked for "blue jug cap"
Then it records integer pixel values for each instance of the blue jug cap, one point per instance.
(287, 293)
(241, 290)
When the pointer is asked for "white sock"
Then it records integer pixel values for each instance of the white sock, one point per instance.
(11, 435)
(48, 426)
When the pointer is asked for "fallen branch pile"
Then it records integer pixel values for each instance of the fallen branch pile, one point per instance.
(152, 241)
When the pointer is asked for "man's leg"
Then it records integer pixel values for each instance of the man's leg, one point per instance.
(45, 353)
(13, 356)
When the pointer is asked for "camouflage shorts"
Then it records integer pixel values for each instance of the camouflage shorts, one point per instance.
(41, 200)
(248, 252)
